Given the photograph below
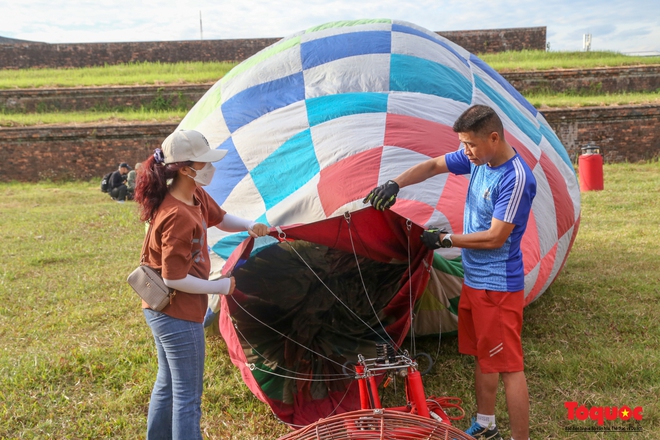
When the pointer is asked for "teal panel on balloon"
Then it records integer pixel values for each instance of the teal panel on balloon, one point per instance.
(437, 79)
(326, 108)
(290, 167)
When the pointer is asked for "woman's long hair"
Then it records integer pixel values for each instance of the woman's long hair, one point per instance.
(151, 183)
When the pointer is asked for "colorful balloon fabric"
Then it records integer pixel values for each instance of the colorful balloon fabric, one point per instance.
(312, 124)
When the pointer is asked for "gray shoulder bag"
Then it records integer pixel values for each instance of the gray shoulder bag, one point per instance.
(149, 284)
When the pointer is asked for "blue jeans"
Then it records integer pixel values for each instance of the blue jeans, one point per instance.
(175, 408)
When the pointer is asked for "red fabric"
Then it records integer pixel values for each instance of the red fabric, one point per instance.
(381, 236)
(335, 189)
(563, 201)
(529, 246)
(547, 262)
(426, 137)
(490, 327)
(522, 150)
(452, 201)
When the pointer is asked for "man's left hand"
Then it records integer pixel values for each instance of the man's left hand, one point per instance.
(432, 237)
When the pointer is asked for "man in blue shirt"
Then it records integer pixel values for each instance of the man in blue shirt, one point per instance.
(498, 203)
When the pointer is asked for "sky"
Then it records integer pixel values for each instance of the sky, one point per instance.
(622, 26)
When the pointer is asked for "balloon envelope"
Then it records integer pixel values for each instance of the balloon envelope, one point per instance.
(316, 121)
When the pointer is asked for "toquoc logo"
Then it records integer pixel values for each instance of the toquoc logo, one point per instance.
(602, 413)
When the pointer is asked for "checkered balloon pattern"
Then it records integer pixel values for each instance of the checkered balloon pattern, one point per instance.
(315, 121)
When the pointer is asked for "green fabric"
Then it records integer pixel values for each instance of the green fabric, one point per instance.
(451, 267)
(346, 23)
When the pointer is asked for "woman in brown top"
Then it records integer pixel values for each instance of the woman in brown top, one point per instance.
(179, 212)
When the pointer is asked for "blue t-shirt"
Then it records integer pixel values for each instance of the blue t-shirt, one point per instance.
(506, 193)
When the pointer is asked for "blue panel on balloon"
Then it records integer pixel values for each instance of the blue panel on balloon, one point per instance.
(321, 51)
(250, 104)
(230, 171)
(326, 108)
(504, 83)
(412, 31)
(437, 80)
(286, 170)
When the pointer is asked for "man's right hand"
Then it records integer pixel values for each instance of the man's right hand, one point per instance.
(384, 196)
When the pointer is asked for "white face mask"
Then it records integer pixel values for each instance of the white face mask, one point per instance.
(205, 175)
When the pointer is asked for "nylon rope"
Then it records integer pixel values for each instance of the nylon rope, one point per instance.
(410, 293)
(334, 295)
(347, 216)
(281, 334)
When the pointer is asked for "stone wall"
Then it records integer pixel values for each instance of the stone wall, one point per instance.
(626, 133)
(601, 80)
(101, 98)
(623, 133)
(73, 153)
(499, 40)
(27, 55)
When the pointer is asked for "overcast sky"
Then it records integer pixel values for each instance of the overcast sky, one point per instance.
(621, 25)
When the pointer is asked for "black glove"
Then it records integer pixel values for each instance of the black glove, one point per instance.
(431, 237)
(384, 196)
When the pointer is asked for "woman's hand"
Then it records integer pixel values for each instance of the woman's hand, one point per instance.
(258, 230)
(232, 285)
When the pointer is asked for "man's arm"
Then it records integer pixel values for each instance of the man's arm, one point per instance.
(422, 171)
(493, 238)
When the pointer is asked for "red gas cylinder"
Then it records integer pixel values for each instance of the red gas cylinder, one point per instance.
(590, 167)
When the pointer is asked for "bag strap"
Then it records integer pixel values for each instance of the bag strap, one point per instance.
(143, 256)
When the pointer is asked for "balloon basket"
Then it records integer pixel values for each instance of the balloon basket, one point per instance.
(421, 418)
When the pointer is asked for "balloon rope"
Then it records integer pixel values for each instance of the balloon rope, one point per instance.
(336, 297)
(410, 293)
(347, 216)
(279, 333)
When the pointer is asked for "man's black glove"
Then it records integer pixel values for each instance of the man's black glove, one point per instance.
(431, 238)
(384, 196)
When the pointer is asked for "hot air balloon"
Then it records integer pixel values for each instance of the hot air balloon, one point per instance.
(312, 124)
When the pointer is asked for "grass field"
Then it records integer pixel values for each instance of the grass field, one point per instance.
(203, 73)
(131, 74)
(77, 360)
(548, 60)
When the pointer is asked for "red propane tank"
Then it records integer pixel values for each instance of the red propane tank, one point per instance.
(590, 166)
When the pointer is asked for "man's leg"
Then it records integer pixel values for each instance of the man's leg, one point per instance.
(517, 403)
(486, 390)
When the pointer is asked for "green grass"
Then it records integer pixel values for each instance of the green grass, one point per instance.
(541, 100)
(78, 361)
(91, 117)
(546, 60)
(145, 73)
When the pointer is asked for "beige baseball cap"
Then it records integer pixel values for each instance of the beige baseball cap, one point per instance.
(185, 145)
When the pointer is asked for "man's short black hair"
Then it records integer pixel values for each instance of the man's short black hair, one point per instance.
(479, 119)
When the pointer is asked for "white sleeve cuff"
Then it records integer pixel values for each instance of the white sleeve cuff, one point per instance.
(232, 223)
(191, 284)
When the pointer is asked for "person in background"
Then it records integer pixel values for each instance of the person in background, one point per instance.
(490, 311)
(130, 181)
(179, 213)
(118, 189)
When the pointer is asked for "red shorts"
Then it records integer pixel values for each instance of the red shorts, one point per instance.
(489, 327)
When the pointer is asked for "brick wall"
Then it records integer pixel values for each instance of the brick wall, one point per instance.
(71, 153)
(604, 80)
(26, 55)
(101, 98)
(499, 40)
(626, 133)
